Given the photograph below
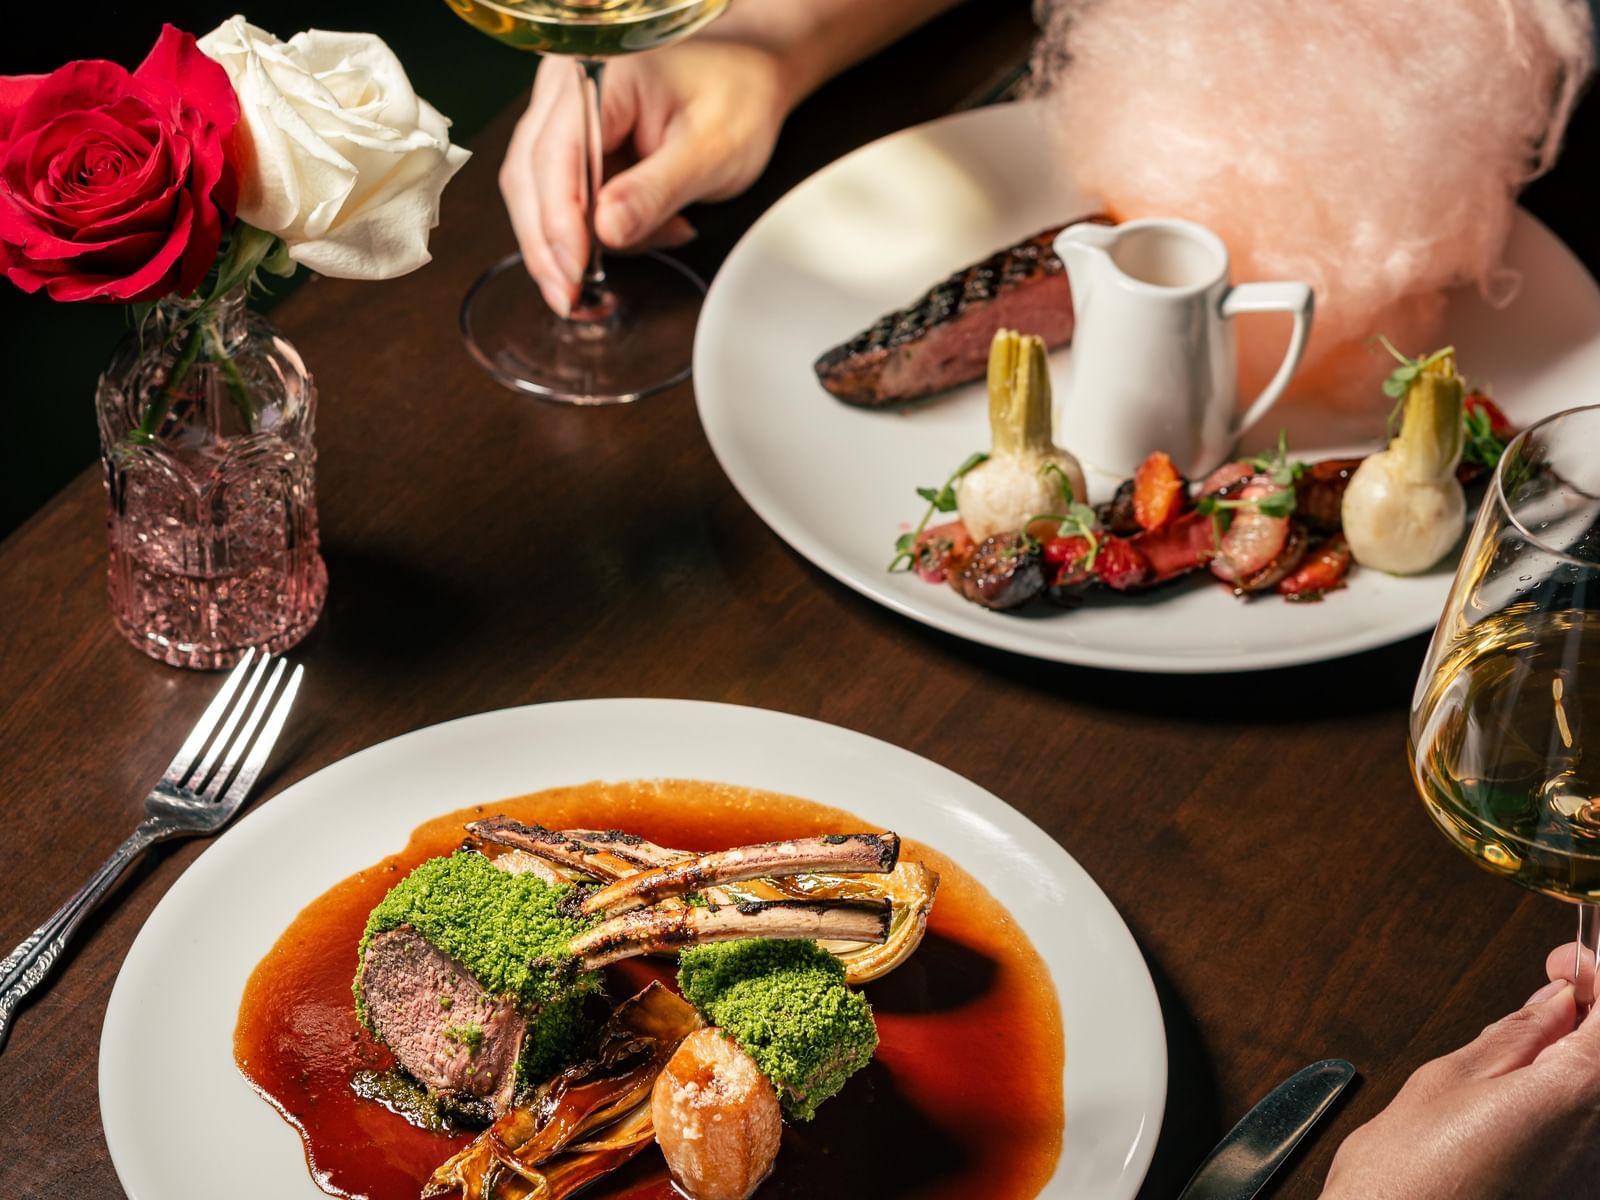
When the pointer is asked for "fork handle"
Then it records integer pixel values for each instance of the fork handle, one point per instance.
(26, 967)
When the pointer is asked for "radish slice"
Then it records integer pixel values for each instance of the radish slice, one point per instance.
(1253, 539)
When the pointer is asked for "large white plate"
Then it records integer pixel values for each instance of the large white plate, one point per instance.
(181, 1122)
(867, 233)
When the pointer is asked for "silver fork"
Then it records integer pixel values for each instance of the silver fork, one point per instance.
(197, 795)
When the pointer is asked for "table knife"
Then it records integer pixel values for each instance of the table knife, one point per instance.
(1244, 1160)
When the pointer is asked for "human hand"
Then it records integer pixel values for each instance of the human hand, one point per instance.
(700, 117)
(1515, 1112)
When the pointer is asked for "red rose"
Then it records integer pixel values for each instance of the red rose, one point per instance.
(116, 186)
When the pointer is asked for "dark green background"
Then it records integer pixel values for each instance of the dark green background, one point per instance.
(50, 354)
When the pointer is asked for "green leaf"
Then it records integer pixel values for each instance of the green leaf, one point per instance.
(940, 499)
(1276, 504)
(1480, 445)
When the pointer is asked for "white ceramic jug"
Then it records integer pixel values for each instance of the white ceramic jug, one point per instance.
(1153, 359)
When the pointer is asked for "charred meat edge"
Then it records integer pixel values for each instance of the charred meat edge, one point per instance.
(586, 857)
(851, 853)
(941, 339)
(654, 930)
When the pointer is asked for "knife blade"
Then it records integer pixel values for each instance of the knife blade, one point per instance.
(1256, 1147)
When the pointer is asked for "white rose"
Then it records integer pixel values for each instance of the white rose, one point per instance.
(339, 157)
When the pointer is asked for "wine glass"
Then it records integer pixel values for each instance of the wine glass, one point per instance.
(1513, 675)
(631, 331)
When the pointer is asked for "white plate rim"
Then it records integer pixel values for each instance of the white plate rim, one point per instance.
(719, 415)
(138, 1029)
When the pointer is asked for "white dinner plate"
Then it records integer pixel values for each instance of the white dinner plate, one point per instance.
(870, 232)
(182, 1123)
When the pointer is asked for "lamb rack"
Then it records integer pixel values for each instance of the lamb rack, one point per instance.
(476, 975)
(565, 856)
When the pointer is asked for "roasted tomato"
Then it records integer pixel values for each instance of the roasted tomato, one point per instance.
(1059, 551)
(1322, 571)
(1120, 565)
(1159, 492)
(1066, 567)
(1499, 424)
(941, 550)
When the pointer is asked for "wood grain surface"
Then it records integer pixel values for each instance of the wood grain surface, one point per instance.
(1259, 833)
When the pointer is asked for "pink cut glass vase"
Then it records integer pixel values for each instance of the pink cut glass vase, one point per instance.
(206, 416)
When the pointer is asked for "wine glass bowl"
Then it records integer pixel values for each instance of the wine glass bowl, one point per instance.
(587, 28)
(1513, 673)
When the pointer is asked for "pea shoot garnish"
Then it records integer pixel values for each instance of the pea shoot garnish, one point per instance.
(940, 499)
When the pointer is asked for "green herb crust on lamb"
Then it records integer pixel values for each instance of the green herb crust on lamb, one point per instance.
(787, 1006)
(474, 976)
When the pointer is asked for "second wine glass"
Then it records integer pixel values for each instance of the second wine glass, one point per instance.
(631, 331)
(1512, 678)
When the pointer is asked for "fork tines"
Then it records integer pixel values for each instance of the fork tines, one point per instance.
(246, 713)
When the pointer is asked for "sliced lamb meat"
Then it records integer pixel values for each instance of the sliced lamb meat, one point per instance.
(942, 339)
(461, 1043)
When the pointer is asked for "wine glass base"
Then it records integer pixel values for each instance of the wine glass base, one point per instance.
(644, 345)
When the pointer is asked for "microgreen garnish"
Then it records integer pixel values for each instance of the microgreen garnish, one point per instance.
(941, 499)
(1277, 466)
(1402, 377)
(1273, 504)
(1481, 445)
(1079, 520)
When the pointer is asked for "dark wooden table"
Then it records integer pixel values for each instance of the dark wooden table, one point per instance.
(1259, 833)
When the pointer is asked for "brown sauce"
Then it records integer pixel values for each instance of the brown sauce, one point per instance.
(963, 1098)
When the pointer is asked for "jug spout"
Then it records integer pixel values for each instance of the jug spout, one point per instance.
(1080, 247)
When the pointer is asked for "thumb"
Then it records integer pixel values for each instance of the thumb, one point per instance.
(641, 199)
(1516, 1040)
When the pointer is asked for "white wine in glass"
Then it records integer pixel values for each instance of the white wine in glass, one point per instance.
(1511, 685)
(631, 331)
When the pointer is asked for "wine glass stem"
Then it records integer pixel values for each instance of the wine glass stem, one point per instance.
(1588, 944)
(595, 300)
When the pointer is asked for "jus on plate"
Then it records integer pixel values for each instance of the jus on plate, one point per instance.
(171, 1021)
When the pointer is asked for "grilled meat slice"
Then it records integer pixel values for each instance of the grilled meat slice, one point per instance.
(870, 852)
(1319, 493)
(942, 338)
(1179, 547)
(654, 930)
(1116, 514)
(1005, 571)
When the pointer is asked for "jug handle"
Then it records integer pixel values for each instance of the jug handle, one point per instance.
(1294, 298)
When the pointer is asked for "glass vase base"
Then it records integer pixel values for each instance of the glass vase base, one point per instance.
(208, 624)
(643, 345)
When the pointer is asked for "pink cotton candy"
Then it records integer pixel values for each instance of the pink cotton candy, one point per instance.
(1373, 148)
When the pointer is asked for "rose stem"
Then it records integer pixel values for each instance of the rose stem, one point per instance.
(146, 429)
(236, 384)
